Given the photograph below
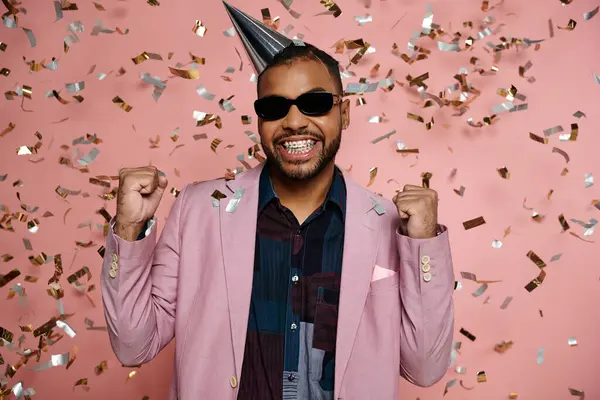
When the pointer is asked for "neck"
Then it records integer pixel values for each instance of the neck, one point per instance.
(303, 196)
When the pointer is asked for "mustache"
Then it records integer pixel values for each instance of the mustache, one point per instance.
(302, 132)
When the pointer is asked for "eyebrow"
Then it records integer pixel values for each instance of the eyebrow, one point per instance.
(317, 89)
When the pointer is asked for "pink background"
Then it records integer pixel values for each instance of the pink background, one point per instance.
(562, 67)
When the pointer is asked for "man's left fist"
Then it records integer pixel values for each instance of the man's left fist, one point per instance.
(419, 206)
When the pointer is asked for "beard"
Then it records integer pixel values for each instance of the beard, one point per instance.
(302, 170)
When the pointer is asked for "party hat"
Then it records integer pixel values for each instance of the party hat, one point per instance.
(261, 42)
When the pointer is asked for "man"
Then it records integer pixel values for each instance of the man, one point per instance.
(291, 281)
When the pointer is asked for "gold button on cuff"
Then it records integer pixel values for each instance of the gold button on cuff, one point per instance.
(426, 268)
(114, 265)
(112, 273)
(115, 258)
(233, 382)
(425, 260)
(427, 277)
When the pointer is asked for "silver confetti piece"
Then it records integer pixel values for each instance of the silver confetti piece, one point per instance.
(233, 203)
(461, 370)
(572, 341)
(75, 87)
(363, 19)
(443, 46)
(386, 136)
(65, 327)
(579, 114)
(553, 130)
(30, 36)
(89, 158)
(589, 15)
(229, 32)
(205, 94)
(540, 356)
(56, 360)
(497, 244)
(596, 78)
(589, 180)
(355, 88)
(375, 119)
(506, 302)
(480, 290)
(556, 257)
(252, 136)
(578, 393)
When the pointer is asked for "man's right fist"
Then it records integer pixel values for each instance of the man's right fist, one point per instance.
(140, 191)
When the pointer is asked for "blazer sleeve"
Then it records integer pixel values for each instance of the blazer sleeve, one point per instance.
(139, 289)
(427, 313)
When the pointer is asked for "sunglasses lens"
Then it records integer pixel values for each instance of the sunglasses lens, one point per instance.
(272, 108)
(315, 103)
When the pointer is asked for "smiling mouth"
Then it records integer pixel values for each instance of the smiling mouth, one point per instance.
(299, 146)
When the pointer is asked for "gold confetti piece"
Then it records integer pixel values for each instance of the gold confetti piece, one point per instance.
(153, 3)
(82, 382)
(415, 117)
(122, 104)
(372, 175)
(5, 279)
(473, 223)
(146, 56)
(99, 6)
(425, 178)
(580, 238)
(130, 375)
(466, 388)
(537, 138)
(536, 260)
(589, 15)
(481, 377)
(578, 393)
(570, 25)
(186, 74)
(536, 282)
(199, 29)
(502, 347)
(3, 46)
(563, 223)
(468, 334)
(513, 395)
(100, 368)
(332, 7)
(503, 172)
(570, 136)
(214, 144)
(549, 194)
(10, 128)
(562, 153)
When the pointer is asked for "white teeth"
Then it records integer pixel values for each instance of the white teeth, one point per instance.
(299, 146)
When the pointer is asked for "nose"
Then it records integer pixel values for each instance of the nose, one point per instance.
(294, 120)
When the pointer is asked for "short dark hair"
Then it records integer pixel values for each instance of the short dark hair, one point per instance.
(295, 52)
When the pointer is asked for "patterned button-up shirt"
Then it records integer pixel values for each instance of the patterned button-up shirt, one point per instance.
(292, 325)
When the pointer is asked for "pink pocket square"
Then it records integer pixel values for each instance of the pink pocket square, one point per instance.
(381, 273)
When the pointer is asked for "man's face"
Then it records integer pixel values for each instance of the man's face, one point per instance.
(300, 147)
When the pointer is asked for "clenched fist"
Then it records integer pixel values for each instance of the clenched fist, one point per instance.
(140, 191)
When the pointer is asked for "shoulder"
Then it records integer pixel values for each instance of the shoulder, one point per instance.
(199, 191)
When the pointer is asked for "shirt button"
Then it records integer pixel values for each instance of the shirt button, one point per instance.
(427, 277)
(294, 326)
(291, 377)
(233, 382)
(295, 278)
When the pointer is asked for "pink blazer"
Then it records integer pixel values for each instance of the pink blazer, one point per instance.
(194, 284)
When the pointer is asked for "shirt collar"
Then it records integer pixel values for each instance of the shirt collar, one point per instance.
(336, 194)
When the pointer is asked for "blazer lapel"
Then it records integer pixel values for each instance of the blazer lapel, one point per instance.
(238, 216)
(360, 252)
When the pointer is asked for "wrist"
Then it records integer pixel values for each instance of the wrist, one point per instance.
(128, 231)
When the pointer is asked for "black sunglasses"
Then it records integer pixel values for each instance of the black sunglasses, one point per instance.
(313, 104)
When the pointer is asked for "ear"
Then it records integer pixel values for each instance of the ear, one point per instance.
(345, 110)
